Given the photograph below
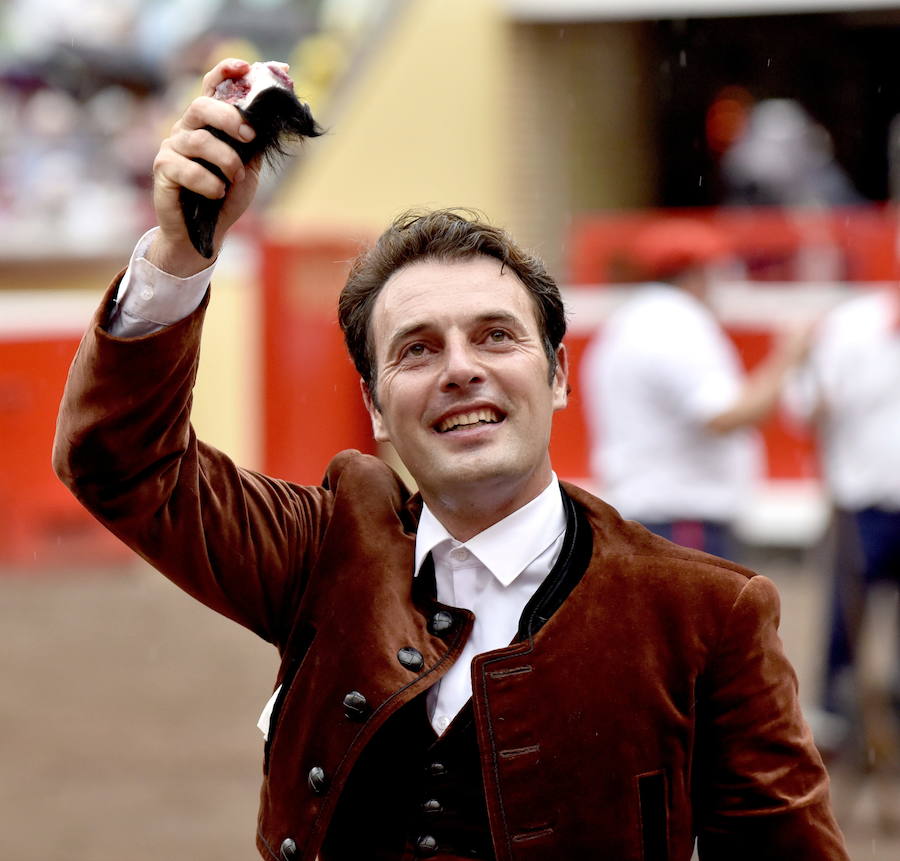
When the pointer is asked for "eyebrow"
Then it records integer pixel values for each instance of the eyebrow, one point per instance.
(483, 318)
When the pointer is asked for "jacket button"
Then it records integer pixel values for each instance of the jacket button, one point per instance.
(426, 845)
(288, 849)
(440, 623)
(317, 780)
(411, 658)
(436, 769)
(356, 706)
(432, 806)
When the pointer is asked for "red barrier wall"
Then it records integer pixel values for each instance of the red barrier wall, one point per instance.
(311, 402)
(775, 244)
(41, 524)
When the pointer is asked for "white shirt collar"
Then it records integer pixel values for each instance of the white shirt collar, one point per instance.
(507, 547)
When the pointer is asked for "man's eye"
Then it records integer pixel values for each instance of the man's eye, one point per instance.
(414, 350)
(498, 336)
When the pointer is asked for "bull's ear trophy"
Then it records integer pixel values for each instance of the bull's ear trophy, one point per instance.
(265, 97)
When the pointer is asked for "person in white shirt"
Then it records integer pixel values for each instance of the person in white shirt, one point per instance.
(494, 667)
(849, 390)
(670, 410)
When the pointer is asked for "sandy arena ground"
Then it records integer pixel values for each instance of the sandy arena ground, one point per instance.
(127, 719)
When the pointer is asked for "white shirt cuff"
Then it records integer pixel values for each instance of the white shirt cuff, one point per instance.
(149, 299)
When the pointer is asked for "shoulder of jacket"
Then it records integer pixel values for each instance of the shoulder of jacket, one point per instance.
(351, 465)
(350, 472)
(631, 543)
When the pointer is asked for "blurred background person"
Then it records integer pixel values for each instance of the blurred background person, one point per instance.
(849, 390)
(783, 157)
(669, 408)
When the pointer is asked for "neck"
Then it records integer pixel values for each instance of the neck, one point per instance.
(694, 284)
(465, 514)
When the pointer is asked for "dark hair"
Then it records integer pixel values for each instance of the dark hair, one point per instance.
(444, 235)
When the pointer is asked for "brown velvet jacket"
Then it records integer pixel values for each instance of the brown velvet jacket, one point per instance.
(656, 704)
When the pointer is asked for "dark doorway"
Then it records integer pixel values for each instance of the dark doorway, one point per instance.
(840, 67)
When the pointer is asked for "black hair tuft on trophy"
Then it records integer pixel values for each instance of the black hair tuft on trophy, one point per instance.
(265, 97)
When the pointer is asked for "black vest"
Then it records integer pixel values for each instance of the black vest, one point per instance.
(413, 794)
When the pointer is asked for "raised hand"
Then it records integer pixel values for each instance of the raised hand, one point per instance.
(175, 168)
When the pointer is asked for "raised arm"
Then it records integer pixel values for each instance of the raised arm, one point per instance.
(236, 540)
(764, 385)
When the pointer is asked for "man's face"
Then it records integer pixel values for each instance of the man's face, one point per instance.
(463, 386)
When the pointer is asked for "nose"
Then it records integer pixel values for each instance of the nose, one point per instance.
(461, 367)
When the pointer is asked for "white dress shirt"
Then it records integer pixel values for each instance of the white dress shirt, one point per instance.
(493, 574)
(660, 368)
(854, 370)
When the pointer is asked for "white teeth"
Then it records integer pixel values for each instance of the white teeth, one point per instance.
(466, 419)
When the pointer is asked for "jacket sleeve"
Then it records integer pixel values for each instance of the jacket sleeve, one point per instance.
(236, 540)
(761, 787)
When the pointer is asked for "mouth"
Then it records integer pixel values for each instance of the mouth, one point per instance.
(471, 419)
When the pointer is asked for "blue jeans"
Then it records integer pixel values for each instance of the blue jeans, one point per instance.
(867, 551)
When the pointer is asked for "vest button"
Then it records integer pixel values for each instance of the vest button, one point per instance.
(436, 769)
(440, 623)
(432, 806)
(426, 846)
(317, 780)
(411, 658)
(356, 706)
(288, 849)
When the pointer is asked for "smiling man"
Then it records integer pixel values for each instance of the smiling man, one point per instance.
(465, 390)
(496, 667)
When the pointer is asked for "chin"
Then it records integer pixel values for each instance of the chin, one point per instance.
(476, 469)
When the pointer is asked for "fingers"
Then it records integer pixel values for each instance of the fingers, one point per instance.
(190, 139)
(176, 165)
(230, 68)
(171, 170)
(206, 111)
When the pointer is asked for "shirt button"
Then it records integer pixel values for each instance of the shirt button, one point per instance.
(147, 294)
(460, 554)
(442, 723)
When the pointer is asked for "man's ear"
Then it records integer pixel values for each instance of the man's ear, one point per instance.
(378, 429)
(561, 379)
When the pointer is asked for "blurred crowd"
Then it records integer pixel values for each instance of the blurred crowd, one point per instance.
(88, 89)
